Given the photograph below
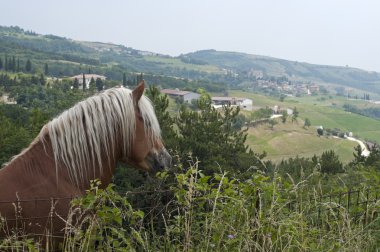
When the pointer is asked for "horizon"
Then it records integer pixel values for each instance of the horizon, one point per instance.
(334, 33)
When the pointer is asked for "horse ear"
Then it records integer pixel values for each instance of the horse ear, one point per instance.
(138, 91)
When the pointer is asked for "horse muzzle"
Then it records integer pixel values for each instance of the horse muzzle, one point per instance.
(156, 161)
(160, 160)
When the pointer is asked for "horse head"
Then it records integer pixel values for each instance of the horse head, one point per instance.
(147, 151)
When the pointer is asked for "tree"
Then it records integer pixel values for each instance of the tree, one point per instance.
(42, 79)
(13, 65)
(124, 79)
(99, 84)
(46, 69)
(295, 114)
(307, 123)
(210, 137)
(161, 103)
(83, 82)
(1, 63)
(6, 63)
(358, 157)
(330, 163)
(76, 84)
(272, 122)
(13, 139)
(92, 84)
(28, 66)
(320, 131)
(284, 116)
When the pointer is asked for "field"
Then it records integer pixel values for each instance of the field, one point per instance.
(323, 111)
(176, 62)
(291, 139)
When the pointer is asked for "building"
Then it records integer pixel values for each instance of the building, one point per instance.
(186, 96)
(87, 78)
(7, 100)
(243, 103)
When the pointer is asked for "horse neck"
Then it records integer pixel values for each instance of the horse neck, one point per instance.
(37, 163)
(32, 167)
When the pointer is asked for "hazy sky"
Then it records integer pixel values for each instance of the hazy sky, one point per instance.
(330, 32)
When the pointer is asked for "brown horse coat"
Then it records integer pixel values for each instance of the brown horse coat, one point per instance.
(82, 144)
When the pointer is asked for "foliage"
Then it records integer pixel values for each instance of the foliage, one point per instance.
(320, 131)
(295, 114)
(261, 113)
(211, 137)
(220, 213)
(372, 112)
(101, 220)
(329, 163)
(284, 117)
(307, 123)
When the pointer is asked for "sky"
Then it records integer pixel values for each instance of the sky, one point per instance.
(327, 32)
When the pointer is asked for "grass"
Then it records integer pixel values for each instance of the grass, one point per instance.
(291, 139)
(177, 63)
(217, 213)
(327, 113)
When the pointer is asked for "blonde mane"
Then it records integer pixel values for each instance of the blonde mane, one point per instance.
(81, 135)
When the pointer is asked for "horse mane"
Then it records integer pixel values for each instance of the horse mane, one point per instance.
(81, 135)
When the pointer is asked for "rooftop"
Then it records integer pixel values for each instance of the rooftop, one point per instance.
(174, 92)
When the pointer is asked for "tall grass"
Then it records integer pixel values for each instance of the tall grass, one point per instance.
(217, 213)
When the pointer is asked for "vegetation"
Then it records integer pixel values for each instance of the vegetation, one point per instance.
(230, 188)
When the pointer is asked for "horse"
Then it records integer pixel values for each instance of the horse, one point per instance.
(82, 144)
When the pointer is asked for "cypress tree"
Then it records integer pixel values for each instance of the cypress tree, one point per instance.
(92, 84)
(14, 64)
(99, 84)
(46, 69)
(42, 80)
(28, 66)
(6, 64)
(124, 79)
(76, 84)
(83, 82)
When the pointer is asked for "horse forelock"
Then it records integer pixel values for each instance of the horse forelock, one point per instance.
(83, 134)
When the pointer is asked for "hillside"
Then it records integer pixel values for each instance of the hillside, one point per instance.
(244, 63)
(67, 57)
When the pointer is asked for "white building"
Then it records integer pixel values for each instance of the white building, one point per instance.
(243, 103)
(87, 78)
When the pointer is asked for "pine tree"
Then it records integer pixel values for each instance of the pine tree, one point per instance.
(18, 65)
(1, 64)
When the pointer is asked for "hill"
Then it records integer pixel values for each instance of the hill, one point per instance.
(244, 63)
(68, 57)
